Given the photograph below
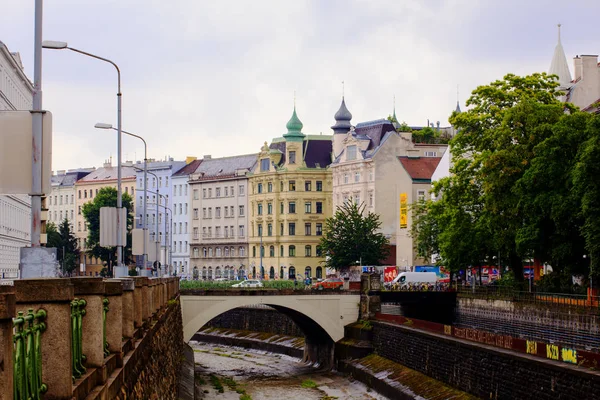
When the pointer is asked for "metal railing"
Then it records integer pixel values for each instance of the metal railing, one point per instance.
(27, 378)
(105, 303)
(78, 358)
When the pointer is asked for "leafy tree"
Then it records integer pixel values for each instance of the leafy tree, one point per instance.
(106, 197)
(350, 235)
(64, 240)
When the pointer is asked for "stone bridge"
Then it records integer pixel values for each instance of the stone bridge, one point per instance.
(321, 317)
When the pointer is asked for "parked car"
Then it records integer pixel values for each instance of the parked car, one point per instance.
(221, 279)
(329, 283)
(406, 279)
(249, 283)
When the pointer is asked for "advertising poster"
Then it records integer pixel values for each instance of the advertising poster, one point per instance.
(389, 274)
(403, 211)
(442, 273)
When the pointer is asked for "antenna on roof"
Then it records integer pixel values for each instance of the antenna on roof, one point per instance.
(457, 93)
(294, 99)
(559, 32)
(343, 89)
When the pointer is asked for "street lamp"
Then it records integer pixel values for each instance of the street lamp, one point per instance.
(101, 125)
(54, 45)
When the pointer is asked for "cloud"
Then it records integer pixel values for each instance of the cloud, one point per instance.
(219, 77)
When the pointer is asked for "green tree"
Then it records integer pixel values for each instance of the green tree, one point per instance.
(65, 242)
(350, 236)
(106, 197)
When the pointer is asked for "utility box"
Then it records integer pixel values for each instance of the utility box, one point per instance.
(108, 226)
(16, 153)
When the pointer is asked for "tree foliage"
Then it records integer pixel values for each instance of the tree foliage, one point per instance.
(64, 240)
(106, 197)
(523, 182)
(350, 235)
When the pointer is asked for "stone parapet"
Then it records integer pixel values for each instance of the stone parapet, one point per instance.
(7, 312)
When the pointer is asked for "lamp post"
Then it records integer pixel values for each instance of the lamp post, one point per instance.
(100, 125)
(54, 45)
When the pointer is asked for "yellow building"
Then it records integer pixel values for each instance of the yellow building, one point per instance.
(86, 189)
(290, 198)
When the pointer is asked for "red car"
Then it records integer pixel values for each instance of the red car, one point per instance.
(330, 283)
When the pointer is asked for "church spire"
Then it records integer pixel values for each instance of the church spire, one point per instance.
(559, 64)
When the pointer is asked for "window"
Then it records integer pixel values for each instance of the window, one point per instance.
(209, 192)
(210, 251)
(226, 211)
(60, 198)
(319, 252)
(357, 198)
(307, 186)
(370, 175)
(196, 213)
(259, 188)
(421, 195)
(319, 229)
(186, 208)
(226, 191)
(270, 187)
(231, 190)
(357, 176)
(269, 208)
(281, 229)
(292, 251)
(351, 152)
(259, 209)
(160, 181)
(260, 231)
(307, 251)
(195, 194)
(307, 208)
(319, 186)
(217, 212)
(79, 196)
(218, 254)
(264, 164)
(226, 232)
(292, 157)
(218, 192)
(281, 208)
(292, 229)
(241, 211)
(281, 186)
(370, 199)
(319, 207)
(231, 214)
(226, 251)
(241, 190)
(281, 251)
(217, 231)
(209, 212)
(197, 252)
(271, 251)
(307, 229)
(253, 251)
(196, 233)
(50, 200)
(79, 226)
(79, 210)
(241, 230)
(203, 193)
(270, 230)
(292, 207)
(292, 186)
(345, 178)
(431, 154)
(85, 194)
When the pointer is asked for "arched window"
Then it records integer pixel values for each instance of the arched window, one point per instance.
(262, 251)
(253, 251)
(241, 273)
(254, 272)
(195, 273)
(218, 252)
(226, 251)
(217, 272)
(210, 275)
(210, 252)
(307, 272)
(272, 251)
(272, 272)
(242, 251)
(196, 252)
(203, 273)
(204, 252)
(262, 272)
(319, 273)
(232, 251)
(292, 273)
(292, 250)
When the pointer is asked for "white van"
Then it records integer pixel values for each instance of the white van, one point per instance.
(406, 278)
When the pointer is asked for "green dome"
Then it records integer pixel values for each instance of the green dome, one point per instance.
(294, 126)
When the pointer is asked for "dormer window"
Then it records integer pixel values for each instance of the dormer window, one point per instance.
(264, 164)
(351, 152)
(292, 157)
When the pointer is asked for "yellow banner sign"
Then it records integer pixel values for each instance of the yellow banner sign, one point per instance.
(403, 211)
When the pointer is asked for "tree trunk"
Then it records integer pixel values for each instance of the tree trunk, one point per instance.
(516, 265)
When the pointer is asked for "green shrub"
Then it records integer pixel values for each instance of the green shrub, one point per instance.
(309, 384)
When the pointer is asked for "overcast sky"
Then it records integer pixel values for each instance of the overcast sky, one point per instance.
(219, 77)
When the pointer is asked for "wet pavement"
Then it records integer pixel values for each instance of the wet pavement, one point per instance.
(232, 373)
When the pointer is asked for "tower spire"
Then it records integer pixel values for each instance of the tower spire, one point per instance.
(559, 66)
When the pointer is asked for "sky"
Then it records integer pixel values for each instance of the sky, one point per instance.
(220, 77)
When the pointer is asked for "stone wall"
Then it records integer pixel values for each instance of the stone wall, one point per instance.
(482, 370)
(257, 320)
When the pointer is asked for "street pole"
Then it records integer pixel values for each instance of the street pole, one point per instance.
(36, 179)
(261, 256)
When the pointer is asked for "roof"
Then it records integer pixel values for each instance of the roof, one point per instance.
(68, 179)
(225, 166)
(420, 168)
(559, 65)
(108, 174)
(374, 130)
(317, 150)
(188, 168)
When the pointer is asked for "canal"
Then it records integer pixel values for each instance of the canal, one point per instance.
(232, 373)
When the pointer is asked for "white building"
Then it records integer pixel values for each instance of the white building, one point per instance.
(61, 202)
(16, 93)
(219, 216)
(182, 218)
(159, 202)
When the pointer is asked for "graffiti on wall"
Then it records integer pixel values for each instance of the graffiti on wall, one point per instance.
(484, 337)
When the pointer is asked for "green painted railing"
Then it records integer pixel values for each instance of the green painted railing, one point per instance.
(27, 341)
(77, 313)
(104, 311)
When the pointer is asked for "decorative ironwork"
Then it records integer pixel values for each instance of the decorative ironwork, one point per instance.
(77, 313)
(105, 303)
(27, 341)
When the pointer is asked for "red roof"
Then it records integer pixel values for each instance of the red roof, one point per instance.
(419, 168)
(189, 168)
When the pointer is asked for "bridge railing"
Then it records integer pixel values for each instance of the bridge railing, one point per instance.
(60, 337)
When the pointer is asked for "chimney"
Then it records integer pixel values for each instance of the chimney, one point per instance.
(207, 157)
(590, 66)
(108, 163)
(578, 63)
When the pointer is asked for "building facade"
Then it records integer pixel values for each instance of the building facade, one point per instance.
(290, 198)
(159, 205)
(182, 220)
(61, 202)
(16, 93)
(219, 217)
(367, 170)
(86, 190)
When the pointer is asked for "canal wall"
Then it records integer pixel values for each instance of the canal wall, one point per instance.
(482, 370)
(257, 319)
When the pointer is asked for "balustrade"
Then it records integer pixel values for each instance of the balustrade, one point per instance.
(77, 313)
(28, 328)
